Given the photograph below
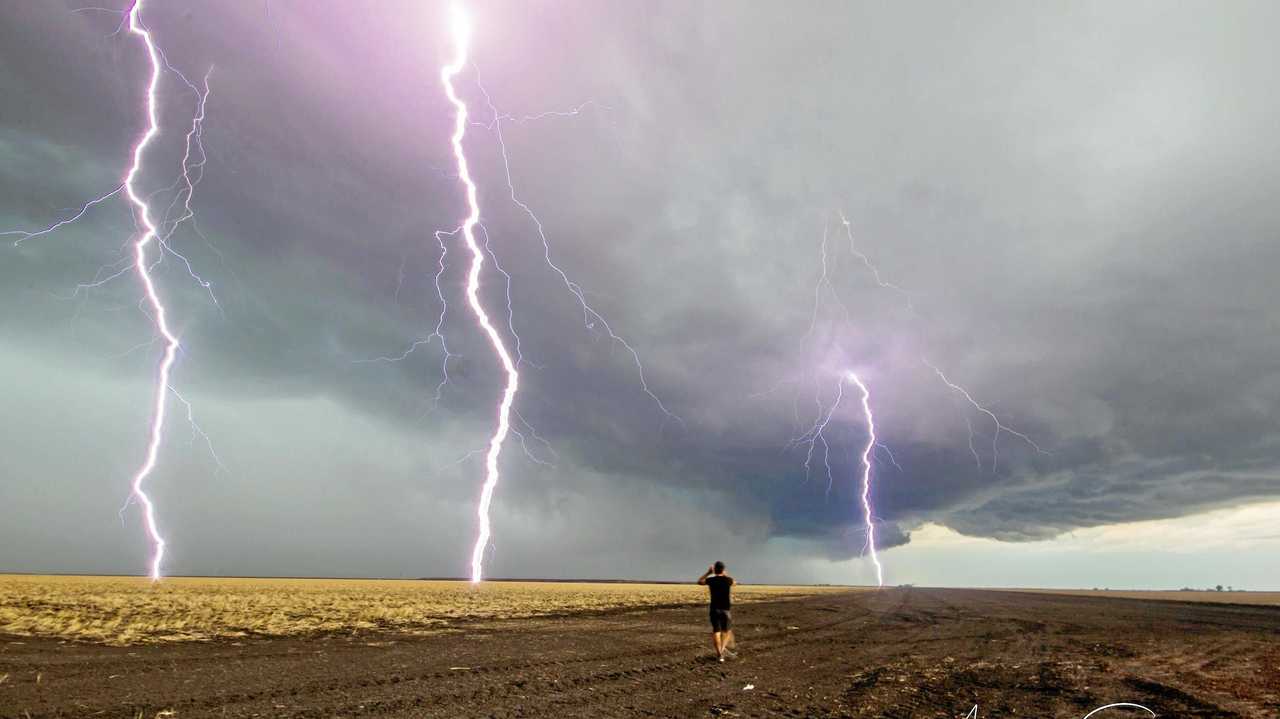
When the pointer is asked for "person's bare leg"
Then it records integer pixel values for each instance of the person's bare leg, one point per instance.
(729, 643)
(716, 642)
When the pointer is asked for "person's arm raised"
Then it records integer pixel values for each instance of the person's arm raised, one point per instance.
(703, 578)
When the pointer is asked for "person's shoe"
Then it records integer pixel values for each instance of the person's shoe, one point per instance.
(731, 654)
(721, 658)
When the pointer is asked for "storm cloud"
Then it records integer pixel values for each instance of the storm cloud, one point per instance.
(1076, 198)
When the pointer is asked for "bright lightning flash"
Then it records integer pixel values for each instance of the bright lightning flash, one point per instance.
(158, 313)
(461, 36)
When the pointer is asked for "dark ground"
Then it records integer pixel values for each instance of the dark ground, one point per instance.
(894, 653)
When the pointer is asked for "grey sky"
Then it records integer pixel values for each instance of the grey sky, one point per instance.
(1078, 197)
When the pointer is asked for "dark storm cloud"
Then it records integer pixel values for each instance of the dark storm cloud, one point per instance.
(1074, 195)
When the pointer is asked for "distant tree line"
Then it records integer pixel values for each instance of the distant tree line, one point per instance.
(1216, 588)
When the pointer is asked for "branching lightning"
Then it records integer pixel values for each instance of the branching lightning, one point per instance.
(437, 333)
(817, 433)
(181, 198)
(197, 430)
(521, 119)
(194, 140)
(999, 426)
(461, 38)
(24, 235)
(871, 267)
(892, 459)
(881, 282)
(158, 231)
(590, 317)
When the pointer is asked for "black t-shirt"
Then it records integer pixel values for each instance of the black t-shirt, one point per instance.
(719, 585)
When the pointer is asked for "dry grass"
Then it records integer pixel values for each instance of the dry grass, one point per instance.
(1265, 598)
(132, 610)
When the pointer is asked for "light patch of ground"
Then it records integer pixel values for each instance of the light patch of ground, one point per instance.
(131, 610)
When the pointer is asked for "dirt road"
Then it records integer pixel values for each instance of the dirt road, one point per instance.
(894, 653)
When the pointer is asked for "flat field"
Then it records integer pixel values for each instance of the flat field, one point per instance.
(892, 654)
(133, 610)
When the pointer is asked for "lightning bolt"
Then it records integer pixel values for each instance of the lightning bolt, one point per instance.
(461, 37)
(866, 475)
(152, 231)
(816, 434)
(158, 312)
(511, 358)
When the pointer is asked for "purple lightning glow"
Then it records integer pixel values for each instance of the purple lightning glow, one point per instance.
(143, 213)
(461, 37)
(882, 283)
(816, 434)
(824, 280)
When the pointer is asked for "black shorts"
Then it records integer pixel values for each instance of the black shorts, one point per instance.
(721, 620)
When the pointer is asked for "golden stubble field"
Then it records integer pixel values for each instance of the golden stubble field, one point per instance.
(133, 610)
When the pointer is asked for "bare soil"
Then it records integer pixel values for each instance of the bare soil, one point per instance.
(893, 653)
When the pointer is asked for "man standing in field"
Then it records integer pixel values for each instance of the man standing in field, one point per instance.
(719, 584)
